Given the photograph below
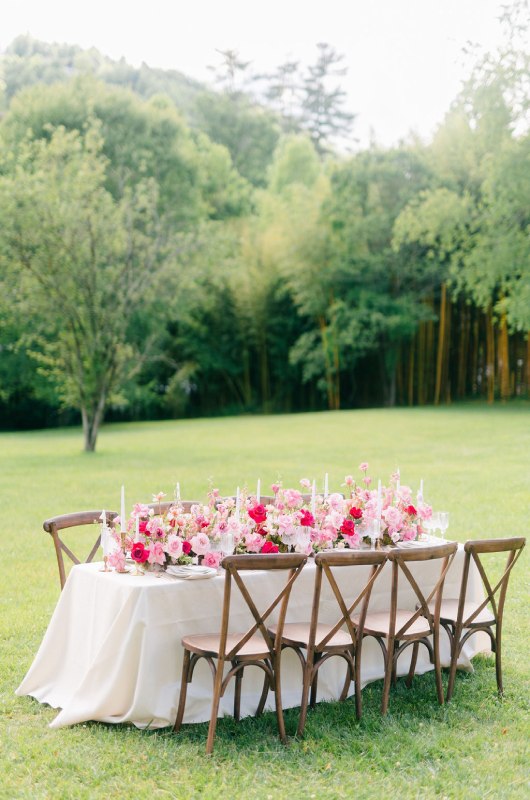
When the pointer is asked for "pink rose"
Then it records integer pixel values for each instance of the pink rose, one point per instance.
(269, 547)
(174, 546)
(212, 560)
(347, 527)
(307, 519)
(156, 554)
(200, 544)
(139, 553)
(258, 513)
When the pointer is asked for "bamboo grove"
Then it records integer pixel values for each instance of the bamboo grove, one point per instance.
(172, 250)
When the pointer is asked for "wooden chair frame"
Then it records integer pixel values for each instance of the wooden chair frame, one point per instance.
(393, 642)
(317, 652)
(459, 630)
(74, 520)
(223, 648)
(163, 507)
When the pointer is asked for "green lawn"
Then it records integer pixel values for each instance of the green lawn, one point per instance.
(475, 462)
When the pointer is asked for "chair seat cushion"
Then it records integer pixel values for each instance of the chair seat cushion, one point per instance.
(378, 623)
(208, 644)
(296, 634)
(449, 612)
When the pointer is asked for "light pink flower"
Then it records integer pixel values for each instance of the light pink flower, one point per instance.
(200, 544)
(117, 560)
(367, 481)
(156, 553)
(364, 466)
(174, 546)
(336, 501)
(254, 542)
(275, 488)
(348, 480)
(212, 560)
(158, 497)
(306, 483)
(292, 498)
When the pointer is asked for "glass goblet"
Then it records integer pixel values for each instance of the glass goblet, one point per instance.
(443, 522)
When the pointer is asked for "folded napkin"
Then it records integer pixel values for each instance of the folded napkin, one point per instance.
(191, 572)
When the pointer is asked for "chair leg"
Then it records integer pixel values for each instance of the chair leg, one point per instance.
(306, 685)
(457, 633)
(314, 684)
(357, 678)
(498, 660)
(278, 701)
(264, 693)
(389, 668)
(350, 676)
(437, 666)
(215, 708)
(237, 693)
(183, 690)
(413, 662)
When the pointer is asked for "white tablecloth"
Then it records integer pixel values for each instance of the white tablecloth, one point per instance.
(112, 651)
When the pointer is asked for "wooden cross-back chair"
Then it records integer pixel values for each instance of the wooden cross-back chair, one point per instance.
(461, 618)
(54, 525)
(163, 507)
(399, 628)
(255, 647)
(315, 642)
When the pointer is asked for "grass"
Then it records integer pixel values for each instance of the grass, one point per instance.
(475, 462)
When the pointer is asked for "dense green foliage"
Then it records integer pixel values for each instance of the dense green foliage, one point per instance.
(474, 748)
(278, 274)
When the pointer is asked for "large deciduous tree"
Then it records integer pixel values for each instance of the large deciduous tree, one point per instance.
(85, 264)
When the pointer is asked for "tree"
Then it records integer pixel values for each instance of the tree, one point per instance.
(86, 265)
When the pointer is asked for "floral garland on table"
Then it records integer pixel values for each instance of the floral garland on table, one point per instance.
(291, 523)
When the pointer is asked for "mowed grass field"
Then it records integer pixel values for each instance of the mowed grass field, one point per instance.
(475, 463)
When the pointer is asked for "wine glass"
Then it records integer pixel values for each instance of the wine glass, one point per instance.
(431, 523)
(443, 522)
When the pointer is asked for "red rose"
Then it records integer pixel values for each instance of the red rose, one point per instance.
(307, 519)
(356, 513)
(258, 513)
(142, 527)
(172, 523)
(348, 527)
(411, 510)
(186, 548)
(269, 547)
(139, 553)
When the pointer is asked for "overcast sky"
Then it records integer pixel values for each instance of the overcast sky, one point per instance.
(404, 57)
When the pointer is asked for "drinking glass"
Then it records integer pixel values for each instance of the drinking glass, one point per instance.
(431, 524)
(443, 522)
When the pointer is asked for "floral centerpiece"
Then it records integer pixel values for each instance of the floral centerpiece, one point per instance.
(296, 520)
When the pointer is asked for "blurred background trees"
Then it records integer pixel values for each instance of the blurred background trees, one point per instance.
(169, 249)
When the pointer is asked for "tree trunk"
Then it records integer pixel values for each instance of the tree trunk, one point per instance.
(92, 420)
(490, 356)
(441, 346)
(503, 359)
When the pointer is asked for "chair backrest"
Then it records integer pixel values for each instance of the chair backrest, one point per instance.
(475, 551)
(74, 520)
(236, 567)
(401, 558)
(161, 508)
(326, 564)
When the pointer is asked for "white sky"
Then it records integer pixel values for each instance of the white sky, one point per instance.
(404, 57)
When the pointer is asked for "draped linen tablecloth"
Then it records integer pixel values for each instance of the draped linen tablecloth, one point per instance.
(112, 651)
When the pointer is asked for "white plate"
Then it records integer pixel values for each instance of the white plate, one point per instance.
(191, 572)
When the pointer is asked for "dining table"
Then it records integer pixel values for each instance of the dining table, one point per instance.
(112, 651)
